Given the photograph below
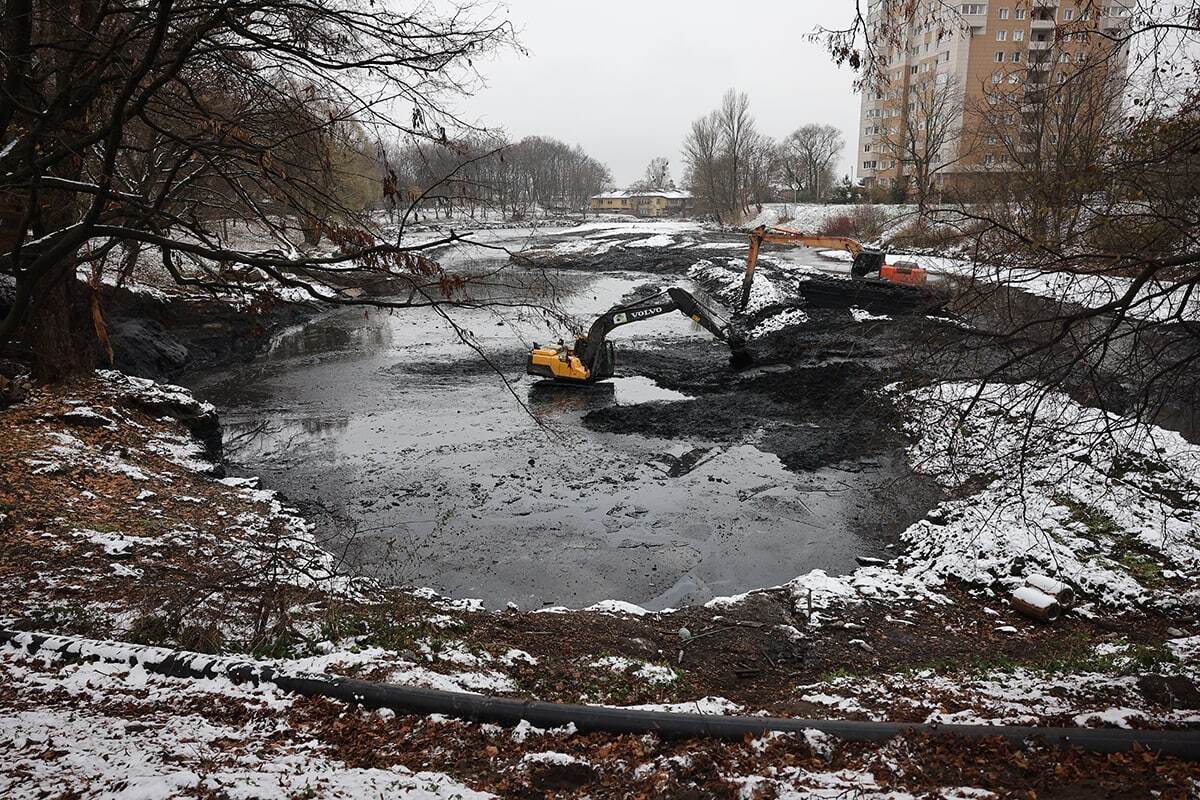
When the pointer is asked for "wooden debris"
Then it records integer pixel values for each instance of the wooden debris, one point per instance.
(1036, 604)
(1060, 591)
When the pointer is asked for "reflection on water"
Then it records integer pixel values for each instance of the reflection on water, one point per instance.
(556, 398)
(318, 338)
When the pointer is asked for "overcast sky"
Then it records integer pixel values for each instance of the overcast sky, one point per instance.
(625, 79)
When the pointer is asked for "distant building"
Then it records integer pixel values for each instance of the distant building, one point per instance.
(1002, 55)
(642, 204)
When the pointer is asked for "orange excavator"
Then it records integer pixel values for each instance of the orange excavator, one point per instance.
(867, 260)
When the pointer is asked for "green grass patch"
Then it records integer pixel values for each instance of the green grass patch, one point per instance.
(1098, 523)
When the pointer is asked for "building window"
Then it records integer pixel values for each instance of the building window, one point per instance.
(997, 77)
(912, 70)
(1018, 36)
(1086, 14)
(989, 160)
(1016, 57)
(866, 148)
(973, 8)
(1001, 36)
(1004, 13)
(1014, 77)
(1020, 13)
(1068, 14)
(999, 56)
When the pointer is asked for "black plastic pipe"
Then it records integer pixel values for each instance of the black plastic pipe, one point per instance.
(505, 711)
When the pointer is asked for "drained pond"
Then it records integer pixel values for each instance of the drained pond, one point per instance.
(675, 482)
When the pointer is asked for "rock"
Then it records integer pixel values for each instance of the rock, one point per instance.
(867, 561)
(144, 347)
(862, 645)
(166, 400)
(644, 645)
(14, 390)
(1175, 633)
(684, 634)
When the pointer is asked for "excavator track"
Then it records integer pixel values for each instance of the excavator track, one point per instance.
(875, 296)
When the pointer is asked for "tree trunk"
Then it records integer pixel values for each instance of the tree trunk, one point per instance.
(311, 228)
(60, 330)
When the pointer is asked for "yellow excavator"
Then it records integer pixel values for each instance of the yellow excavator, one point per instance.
(593, 357)
(866, 260)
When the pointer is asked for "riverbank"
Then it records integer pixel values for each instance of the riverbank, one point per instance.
(118, 528)
(862, 506)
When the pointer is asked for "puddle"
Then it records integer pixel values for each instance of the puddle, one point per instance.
(639, 389)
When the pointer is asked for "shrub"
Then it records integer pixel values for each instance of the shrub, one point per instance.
(869, 221)
(863, 222)
(838, 225)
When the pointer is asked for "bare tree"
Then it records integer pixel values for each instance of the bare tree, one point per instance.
(657, 177)
(702, 160)
(762, 169)
(927, 140)
(722, 152)
(236, 109)
(738, 137)
(807, 158)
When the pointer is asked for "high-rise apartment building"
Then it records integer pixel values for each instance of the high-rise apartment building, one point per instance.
(950, 68)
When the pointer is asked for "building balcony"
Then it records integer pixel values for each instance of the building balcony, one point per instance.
(976, 20)
(1109, 23)
(1035, 45)
(1037, 24)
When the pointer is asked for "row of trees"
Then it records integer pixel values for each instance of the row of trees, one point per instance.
(487, 172)
(145, 130)
(729, 164)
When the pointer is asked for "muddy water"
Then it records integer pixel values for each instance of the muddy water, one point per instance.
(426, 469)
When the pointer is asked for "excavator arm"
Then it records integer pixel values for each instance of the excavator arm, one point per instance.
(593, 358)
(866, 260)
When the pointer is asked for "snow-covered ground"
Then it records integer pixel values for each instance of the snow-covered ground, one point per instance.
(111, 730)
(1105, 504)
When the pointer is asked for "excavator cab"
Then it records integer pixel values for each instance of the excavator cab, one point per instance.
(868, 262)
